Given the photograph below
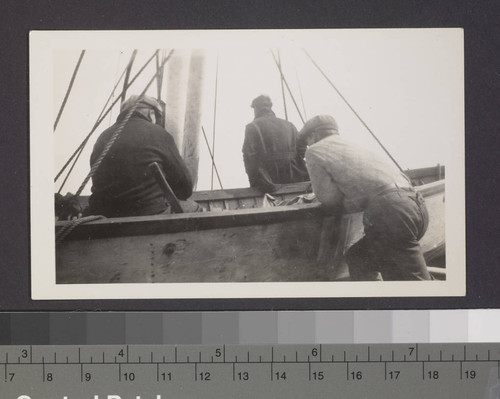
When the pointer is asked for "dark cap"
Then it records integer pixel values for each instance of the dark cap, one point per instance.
(262, 101)
(144, 102)
(319, 123)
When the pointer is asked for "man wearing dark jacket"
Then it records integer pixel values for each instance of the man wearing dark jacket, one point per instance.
(270, 149)
(123, 184)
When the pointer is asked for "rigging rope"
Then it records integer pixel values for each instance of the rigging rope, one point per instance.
(119, 129)
(127, 75)
(288, 87)
(113, 92)
(300, 89)
(353, 110)
(72, 224)
(101, 118)
(70, 170)
(69, 89)
(80, 149)
(212, 155)
(282, 86)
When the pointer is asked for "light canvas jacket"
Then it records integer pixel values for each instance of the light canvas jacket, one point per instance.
(346, 175)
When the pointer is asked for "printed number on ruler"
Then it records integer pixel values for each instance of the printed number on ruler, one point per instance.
(137, 371)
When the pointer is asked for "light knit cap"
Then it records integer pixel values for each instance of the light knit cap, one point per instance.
(144, 102)
(319, 122)
(263, 101)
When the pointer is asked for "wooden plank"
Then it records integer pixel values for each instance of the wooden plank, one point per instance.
(217, 206)
(246, 203)
(236, 193)
(435, 172)
(432, 189)
(276, 252)
(248, 192)
(205, 205)
(139, 225)
(231, 204)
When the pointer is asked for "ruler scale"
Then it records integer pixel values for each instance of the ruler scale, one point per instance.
(251, 371)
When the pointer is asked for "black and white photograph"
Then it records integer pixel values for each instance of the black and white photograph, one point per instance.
(247, 164)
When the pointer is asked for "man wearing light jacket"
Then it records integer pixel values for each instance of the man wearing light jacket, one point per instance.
(349, 178)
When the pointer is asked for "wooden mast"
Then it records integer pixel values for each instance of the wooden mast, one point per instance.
(175, 98)
(192, 120)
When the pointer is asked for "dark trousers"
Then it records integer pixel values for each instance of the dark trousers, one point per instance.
(394, 222)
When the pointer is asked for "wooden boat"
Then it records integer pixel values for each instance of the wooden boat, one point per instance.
(237, 239)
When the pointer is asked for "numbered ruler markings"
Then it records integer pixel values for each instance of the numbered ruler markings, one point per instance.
(239, 363)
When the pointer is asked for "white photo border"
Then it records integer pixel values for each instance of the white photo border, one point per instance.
(43, 275)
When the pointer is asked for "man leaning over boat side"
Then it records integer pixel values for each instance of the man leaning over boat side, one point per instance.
(123, 184)
(348, 178)
(270, 149)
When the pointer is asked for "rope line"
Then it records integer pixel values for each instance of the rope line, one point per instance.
(113, 91)
(353, 110)
(70, 170)
(99, 120)
(79, 151)
(300, 89)
(282, 86)
(212, 154)
(127, 75)
(288, 87)
(118, 130)
(69, 89)
(72, 224)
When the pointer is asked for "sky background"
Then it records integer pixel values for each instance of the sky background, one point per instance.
(407, 85)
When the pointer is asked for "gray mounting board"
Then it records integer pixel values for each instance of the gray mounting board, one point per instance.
(251, 371)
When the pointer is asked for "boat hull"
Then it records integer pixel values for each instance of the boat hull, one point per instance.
(277, 244)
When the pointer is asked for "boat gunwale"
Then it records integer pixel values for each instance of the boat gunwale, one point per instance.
(289, 188)
(250, 192)
(173, 223)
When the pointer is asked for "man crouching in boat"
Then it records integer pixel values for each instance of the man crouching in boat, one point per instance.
(349, 178)
(270, 149)
(123, 185)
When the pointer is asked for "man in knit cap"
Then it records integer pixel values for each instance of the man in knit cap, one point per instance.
(123, 184)
(270, 149)
(347, 178)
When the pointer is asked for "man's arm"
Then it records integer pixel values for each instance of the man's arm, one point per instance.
(174, 168)
(325, 188)
(250, 153)
(253, 154)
